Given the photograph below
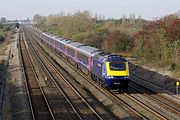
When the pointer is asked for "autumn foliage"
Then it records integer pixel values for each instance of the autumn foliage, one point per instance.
(117, 41)
(159, 41)
(156, 41)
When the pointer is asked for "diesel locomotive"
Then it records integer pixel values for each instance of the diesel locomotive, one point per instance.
(108, 69)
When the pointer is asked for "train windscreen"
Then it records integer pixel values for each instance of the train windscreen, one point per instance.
(117, 66)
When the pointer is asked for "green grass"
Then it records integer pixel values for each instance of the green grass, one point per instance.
(2, 35)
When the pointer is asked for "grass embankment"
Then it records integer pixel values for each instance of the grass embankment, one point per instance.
(3, 32)
(2, 35)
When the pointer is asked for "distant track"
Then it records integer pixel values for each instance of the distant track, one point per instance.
(38, 102)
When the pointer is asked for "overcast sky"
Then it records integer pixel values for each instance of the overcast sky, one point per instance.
(148, 9)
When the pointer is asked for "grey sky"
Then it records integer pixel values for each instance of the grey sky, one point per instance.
(148, 9)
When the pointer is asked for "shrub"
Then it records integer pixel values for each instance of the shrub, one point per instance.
(2, 38)
(159, 41)
(118, 42)
(173, 66)
(7, 29)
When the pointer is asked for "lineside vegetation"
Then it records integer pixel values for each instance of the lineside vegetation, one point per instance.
(3, 32)
(156, 41)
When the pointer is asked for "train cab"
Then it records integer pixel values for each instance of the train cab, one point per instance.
(112, 70)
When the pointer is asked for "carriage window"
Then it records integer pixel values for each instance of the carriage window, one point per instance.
(83, 58)
(70, 51)
(62, 47)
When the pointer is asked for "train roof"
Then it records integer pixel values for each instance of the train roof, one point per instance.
(46, 33)
(49, 35)
(58, 38)
(55, 36)
(65, 41)
(114, 57)
(101, 56)
(89, 50)
(105, 56)
(74, 44)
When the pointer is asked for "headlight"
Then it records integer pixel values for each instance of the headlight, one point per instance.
(111, 77)
(127, 77)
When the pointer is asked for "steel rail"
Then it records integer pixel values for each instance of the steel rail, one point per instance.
(73, 88)
(60, 89)
(24, 77)
(104, 91)
(70, 85)
(156, 100)
(42, 91)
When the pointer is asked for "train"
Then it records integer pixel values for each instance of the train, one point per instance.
(108, 69)
(17, 25)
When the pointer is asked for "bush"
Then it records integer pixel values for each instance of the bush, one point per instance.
(1, 26)
(7, 29)
(159, 41)
(173, 66)
(56, 31)
(83, 35)
(2, 38)
(2, 35)
(117, 41)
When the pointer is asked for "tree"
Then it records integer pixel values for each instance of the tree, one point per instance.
(3, 19)
(118, 42)
(139, 17)
(28, 20)
(159, 40)
(39, 21)
(132, 18)
(1, 26)
(124, 19)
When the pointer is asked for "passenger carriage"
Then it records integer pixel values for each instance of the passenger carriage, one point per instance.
(56, 43)
(72, 50)
(84, 57)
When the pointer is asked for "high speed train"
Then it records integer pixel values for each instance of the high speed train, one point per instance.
(109, 69)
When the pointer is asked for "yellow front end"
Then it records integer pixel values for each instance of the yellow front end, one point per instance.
(110, 72)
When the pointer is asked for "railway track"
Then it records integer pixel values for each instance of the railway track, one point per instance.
(131, 110)
(39, 105)
(170, 108)
(155, 87)
(139, 114)
(59, 105)
(77, 102)
(150, 112)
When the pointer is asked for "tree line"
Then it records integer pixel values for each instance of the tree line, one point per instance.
(154, 41)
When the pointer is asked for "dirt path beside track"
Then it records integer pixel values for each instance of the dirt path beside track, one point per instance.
(14, 90)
